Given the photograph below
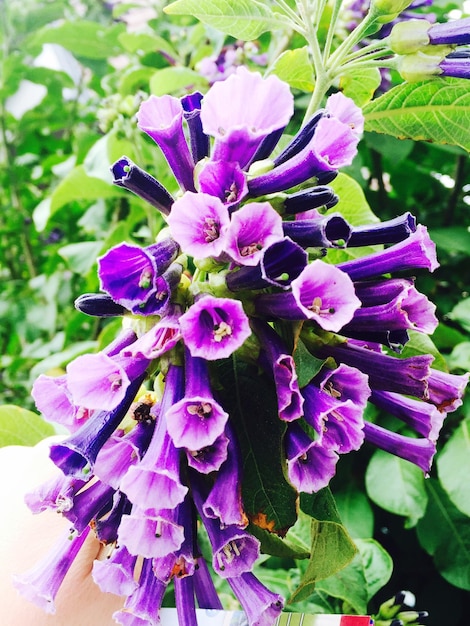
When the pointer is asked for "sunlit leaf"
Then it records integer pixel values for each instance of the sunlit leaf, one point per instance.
(295, 68)
(19, 427)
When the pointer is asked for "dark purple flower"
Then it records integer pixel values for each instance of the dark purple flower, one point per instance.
(455, 32)
(239, 129)
(308, 199)
(130, 274)
(162, 119)
(128, 175)
(456, 64)
(199, 222)
(210, 458)
(446, 390)
(419, 451)
(142, 607)
(94, 500)
(252, 229)
(197, 420)
(115, 573)
(261, 606)
(213, 328)
(185, 602)
(98, 305)
(154, 483)
(322, 293)
(332, 231)
(390, 231)
(335, 401)
(417, 251)
(310, 465)
(226, 181)
(41, 583)
(276, 358)
(204, 588)
(279, 264)
(199, 141)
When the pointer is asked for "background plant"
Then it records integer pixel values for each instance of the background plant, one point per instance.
(59, 212)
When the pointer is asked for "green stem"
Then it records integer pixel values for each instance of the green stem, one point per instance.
(296, 23)
(353, 38)
(332, 28)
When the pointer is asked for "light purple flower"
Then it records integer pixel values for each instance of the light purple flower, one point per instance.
(446, 390)
(142, 607)
(455, 32)
(261, 606)
(419, 451)
(213, 328)
(160, 338)
(154, 483)
(57, 494)
(335, 401)
(226, 181)
(310, 465)
(130, 274)
(204, 587)
(151, 534)
(239, 129)
(456, 64)
(41, 583)
(197, 420)
(199, 223)
(115, 574)
(322, 293)
(252, 229)
(185, 601)
(54, 400)
(346, 111)
(161, 117)
(210, 458)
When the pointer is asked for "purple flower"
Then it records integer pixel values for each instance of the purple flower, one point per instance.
(130, 274)
(160, 338)
(308, 199)
(95, 500)
(199, 223)
(261, 606)
(346, 111)
(423, 417)
(115, 574)
(226, 181)
(162, 119)
(213, 328)
(322, 293)
(197, 420)
(456, 32)
(151, 534)
(210, 458)
(332, 231)
(41, 583)
(279, 264)
(252, 228)
(456, 64)
(128, 175)
(185, 602)
(154, 483)
(419, 451)
(98, 305)
(199, 141)
(56, 494)
(98, 381)
(239, 129)
(54, 400)
(142, 607)
(310, 465)
(417, 251)
(204, 588)
(335, 401)
(332, 146)
(446, 390)
(277, 359)
(390, 231)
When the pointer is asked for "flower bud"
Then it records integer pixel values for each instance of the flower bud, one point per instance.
(388, 10)
(410, 36)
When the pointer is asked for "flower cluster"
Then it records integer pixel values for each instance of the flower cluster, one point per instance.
(240, 275)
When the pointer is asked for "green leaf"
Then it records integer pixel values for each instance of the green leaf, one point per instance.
(83, 38)
(367, 573)
(77, 185)
(433, 110)
(250, 399)
(275, 546)
(444, 532)
(396, 485)
(19, 427)
(81, 256)
(419, 343)
(452, 239)
(142, 43)
(453, 465)
(461, 314)
(171, 80)
(306, 365)
(355, 511)
(295, 68)
(243, 19)
(331, 546)
(360, 84)
(459, 358)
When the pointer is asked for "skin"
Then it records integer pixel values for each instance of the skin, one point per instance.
(26, 538)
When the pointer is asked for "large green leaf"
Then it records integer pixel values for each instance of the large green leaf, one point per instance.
(396, 485)
(453, 465)
(243, 19)
(355, 511)
(175, 79)
(461, 314)
(433, 110)
(360, 84)
(250, 400)
(19, 427)
(444, 532)
(295, 68)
